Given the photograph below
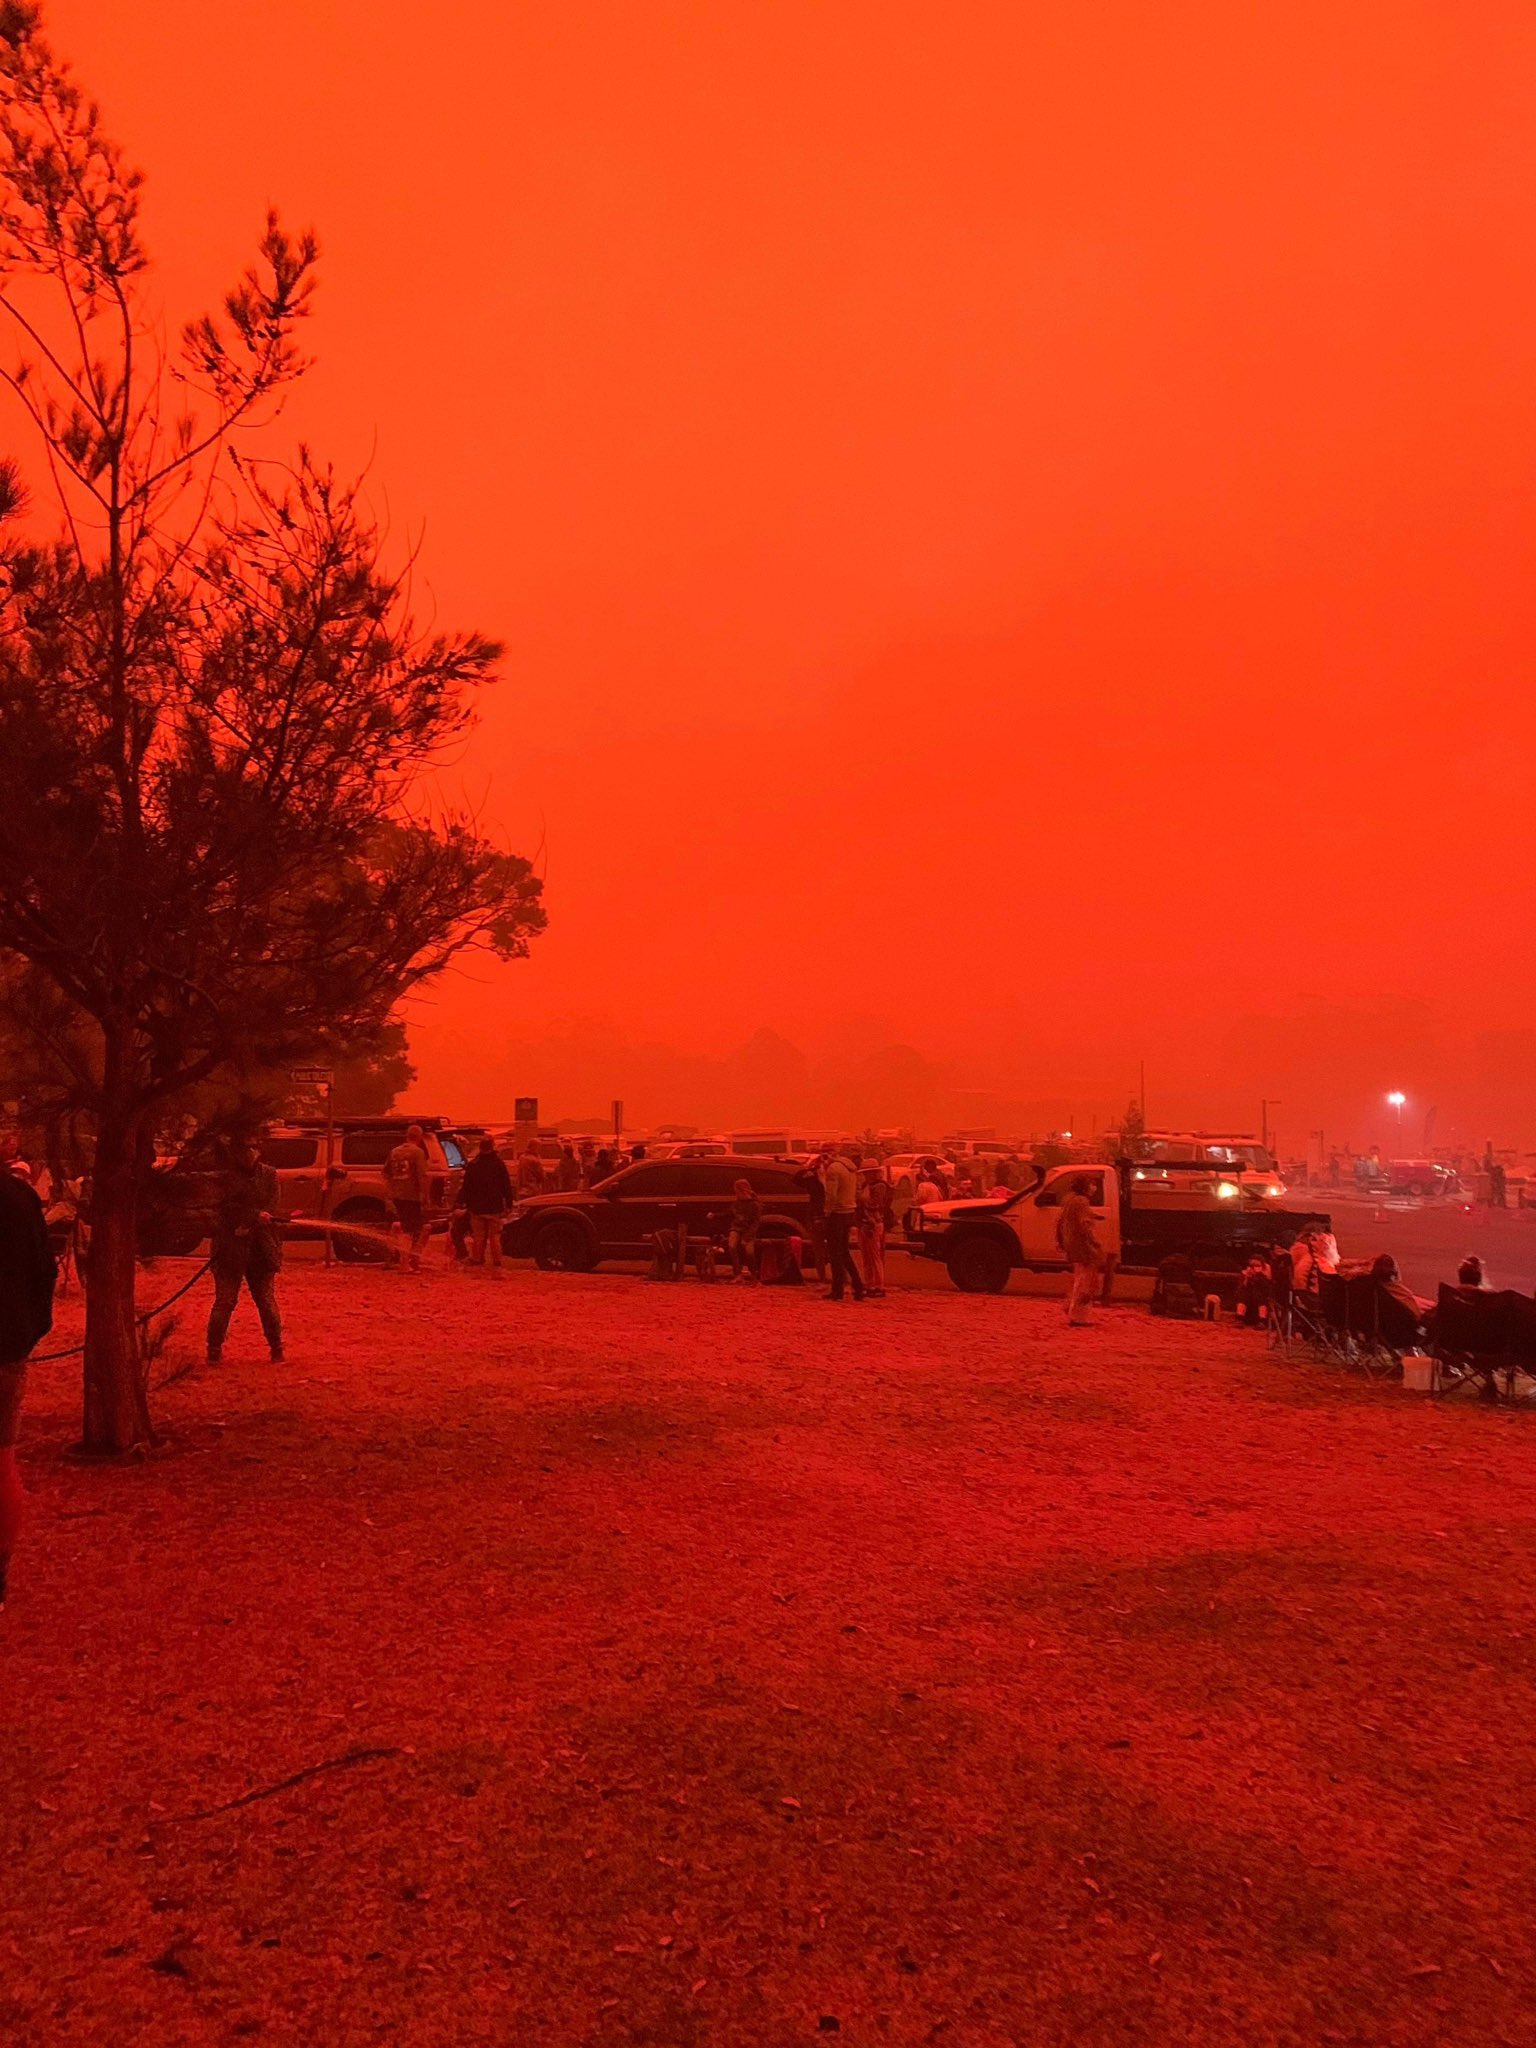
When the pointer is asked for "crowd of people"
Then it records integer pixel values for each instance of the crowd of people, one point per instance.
(1277, 1277)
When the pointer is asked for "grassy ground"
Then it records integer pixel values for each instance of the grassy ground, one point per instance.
(685, 1665)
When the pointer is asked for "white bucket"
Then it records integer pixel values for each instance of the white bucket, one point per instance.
(1418, 1372)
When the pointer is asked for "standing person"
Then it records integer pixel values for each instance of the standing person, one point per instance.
(246, 1247)
(810, 1180)
(841, 1188)
(530, 1173)
(604, 1164)
(746, 1221)
(875, 1200)
(406, 1172)
(1077, 1233)
(487, 1195)
(26, 1317)
(584, 1161)
(567, 1171)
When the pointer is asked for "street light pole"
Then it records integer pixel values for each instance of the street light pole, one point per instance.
(1397, 1098)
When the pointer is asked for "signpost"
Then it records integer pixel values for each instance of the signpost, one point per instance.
(618, 1119)
(322, 1077)
(526, 1109)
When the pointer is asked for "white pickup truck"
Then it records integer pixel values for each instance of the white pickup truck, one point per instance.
(1146, 1214)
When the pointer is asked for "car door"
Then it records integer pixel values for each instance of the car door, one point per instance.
(296, 1162)
(1036, 1217)
(705, 1192)
(630, 1206)
(780, 1192)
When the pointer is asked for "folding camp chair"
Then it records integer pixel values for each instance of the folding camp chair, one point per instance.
(1320, 1320)
(1381, 1328)
(1522, 1316)
(1281, 1328)
(1475, 1341)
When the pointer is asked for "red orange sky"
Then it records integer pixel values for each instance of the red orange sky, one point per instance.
(1012, 523)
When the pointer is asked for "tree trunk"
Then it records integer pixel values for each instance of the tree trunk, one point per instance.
(116, 1402)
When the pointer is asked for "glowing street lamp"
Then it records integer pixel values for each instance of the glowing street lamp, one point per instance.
(1397, 1098)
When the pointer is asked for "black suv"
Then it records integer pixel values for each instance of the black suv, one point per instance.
(615, 1219)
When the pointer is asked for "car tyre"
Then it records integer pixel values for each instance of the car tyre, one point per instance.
(979, 1265)
(563, 1247)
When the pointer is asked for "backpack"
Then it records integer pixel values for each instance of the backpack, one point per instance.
(1173, 1291)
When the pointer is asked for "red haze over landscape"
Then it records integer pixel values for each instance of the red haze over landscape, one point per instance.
(1011, 524)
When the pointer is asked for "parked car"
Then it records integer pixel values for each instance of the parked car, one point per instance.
(901, 1170)
(616, 1219)
(1420, 1177)
(778, 1143)
(355, 1175)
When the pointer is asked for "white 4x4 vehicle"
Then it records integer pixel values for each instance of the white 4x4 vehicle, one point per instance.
(1200, 1212)
(347, 1186)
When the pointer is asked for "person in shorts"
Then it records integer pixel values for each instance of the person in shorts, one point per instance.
(406, 1172)
(874, 1220)
(487, 1196)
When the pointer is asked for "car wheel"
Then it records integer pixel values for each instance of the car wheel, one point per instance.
(362, 1234)
(979, 1265)
(1414, 1188)
(563, 1247)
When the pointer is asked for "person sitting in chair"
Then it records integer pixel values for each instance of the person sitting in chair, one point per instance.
(1305, 1269)
(1255, 1290)
(1384, 1272)
(1470, 1273)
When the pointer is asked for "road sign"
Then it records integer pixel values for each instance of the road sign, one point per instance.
(526, 1110)
(312, 1077)
(618, 1119)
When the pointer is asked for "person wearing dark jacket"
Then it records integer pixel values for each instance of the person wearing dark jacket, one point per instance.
(246, 1246)
(487, 1195)
(809, 1181)
(27, 1274)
